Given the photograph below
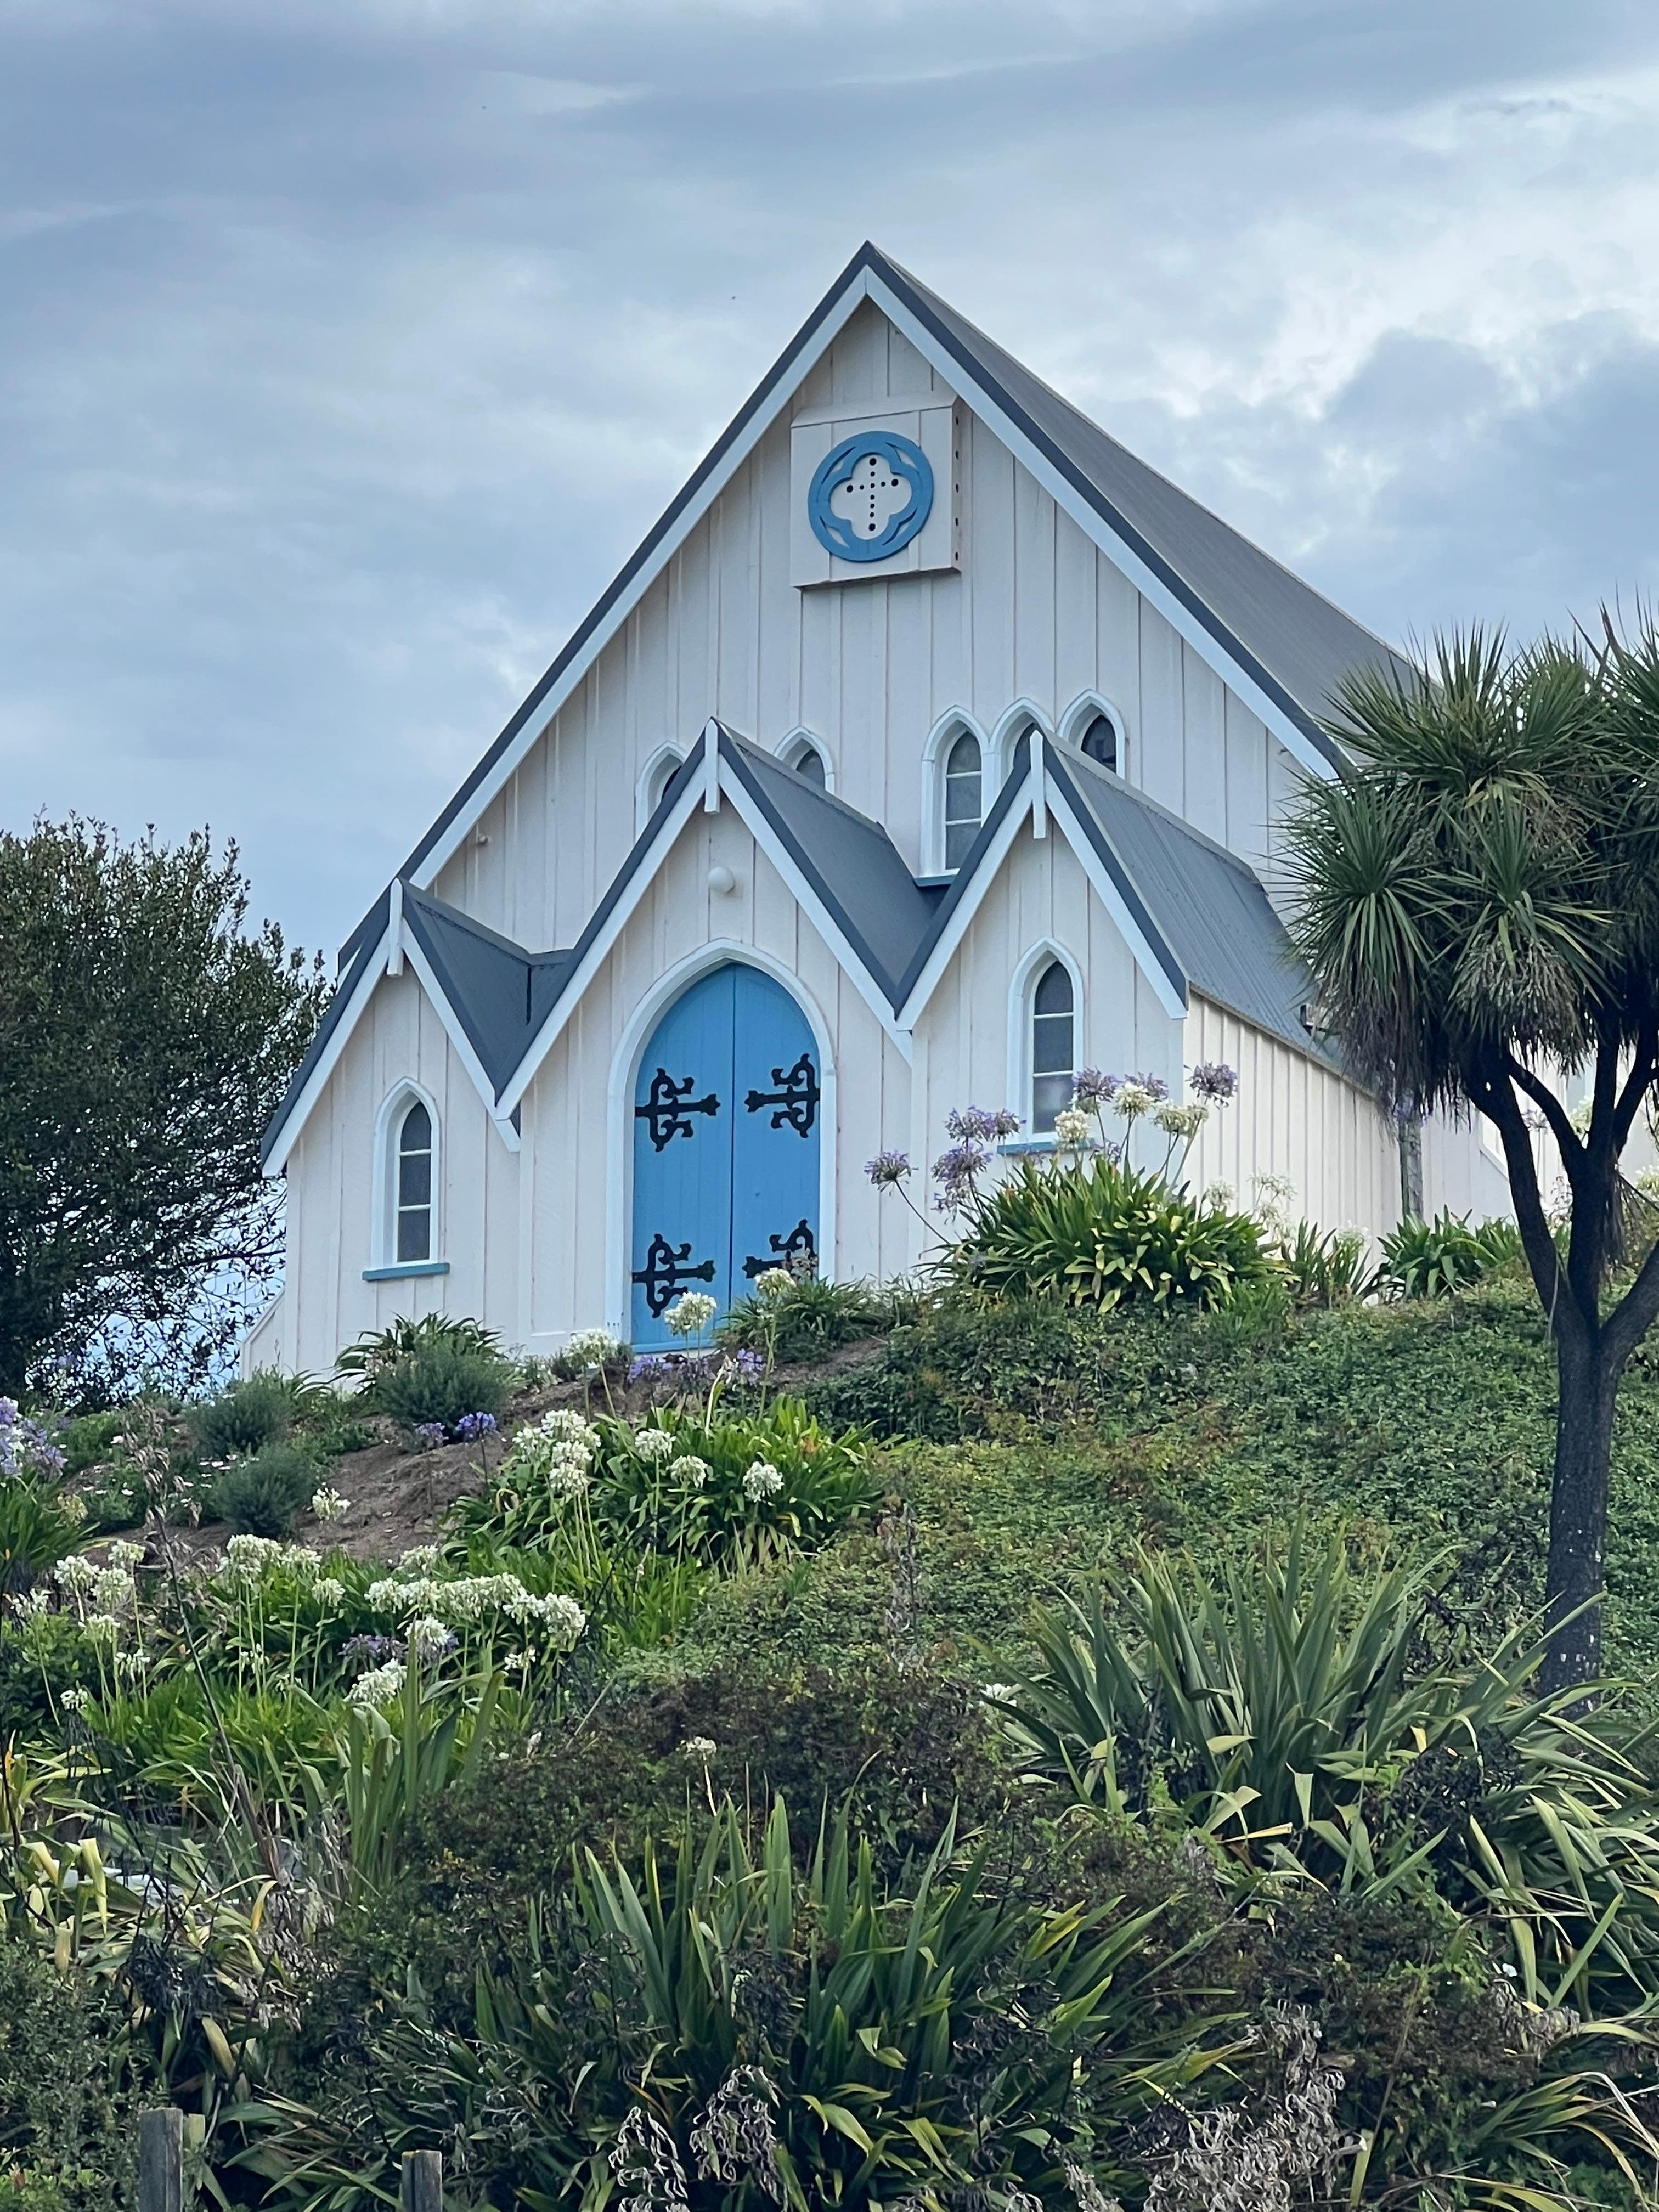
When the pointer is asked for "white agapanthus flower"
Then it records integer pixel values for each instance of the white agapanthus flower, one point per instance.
(124, 1554)
(1132, 1100)
(567, 1475)
(249, 1558)
(774, 1283)
(702, 1748)
(114, 1590)
(419, 1560)
(565, 1421)
(378, 1687)
(655, 1443)
(75, 1701)
(328, 1504)
(1072, 1127)
(691, 1313)
(1182, 1121)
(429, 1636)
(329, 1594)
(75, 1575)
(591, 1347)
(103, 1628)
(690, 1470)
(762, 1481)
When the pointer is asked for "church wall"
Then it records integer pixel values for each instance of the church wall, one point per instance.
(1041, 895)
(1036, 613)
(578, 1131)
(332, 1193)
(1295, 1119)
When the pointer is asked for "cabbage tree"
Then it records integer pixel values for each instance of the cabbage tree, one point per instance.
(1478, 899)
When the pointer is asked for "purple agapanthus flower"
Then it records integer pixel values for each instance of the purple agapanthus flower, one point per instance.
(1155, 1084)
(431, 1434)
(978, 1125)
(1214, 1081)
(751, 1367)
(359, 1653)
(1090, 1088)
(887, 1169)
(650, 1367)
(957, 1171)
(472, 1426)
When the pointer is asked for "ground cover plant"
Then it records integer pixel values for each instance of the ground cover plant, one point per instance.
(1168, 1676)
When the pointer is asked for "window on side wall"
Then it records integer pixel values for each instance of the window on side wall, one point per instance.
(412, 1205)
(965, 798)
(1053, 1050)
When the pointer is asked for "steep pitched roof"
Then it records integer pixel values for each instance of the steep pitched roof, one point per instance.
(852, 862)
(499, 992)
(1198, 917)
(1296, 643)
(1209, 911)
(1287, 645)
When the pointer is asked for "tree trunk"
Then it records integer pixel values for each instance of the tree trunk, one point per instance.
(1588, 1376)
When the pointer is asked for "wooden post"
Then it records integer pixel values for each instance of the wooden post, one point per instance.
(423, 2181)
(162, 2161)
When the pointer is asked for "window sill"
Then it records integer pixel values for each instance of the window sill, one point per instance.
(405, 1267)
(1013, 1146)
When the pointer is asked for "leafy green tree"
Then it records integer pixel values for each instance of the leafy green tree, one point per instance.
(1478, 902)
(146, 1034)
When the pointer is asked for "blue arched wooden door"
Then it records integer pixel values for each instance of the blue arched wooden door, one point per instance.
(727, 1114)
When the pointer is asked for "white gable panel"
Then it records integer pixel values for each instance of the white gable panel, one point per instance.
(577, 1112)
(1037, 608)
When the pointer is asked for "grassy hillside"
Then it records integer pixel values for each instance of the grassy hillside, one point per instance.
(1034, 1447)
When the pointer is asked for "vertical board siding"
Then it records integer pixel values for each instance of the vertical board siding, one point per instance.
(575, 1193)
(332, 1194)
(1037, 612)
(1297, 1119)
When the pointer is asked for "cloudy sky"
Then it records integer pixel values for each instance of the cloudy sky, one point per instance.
(347, 346)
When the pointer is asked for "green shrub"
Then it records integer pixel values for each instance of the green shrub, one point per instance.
(71, 2082)
(438, 1382)
(1325, 1267)
(1095, 1232)
(1432, 1259)
(262, 1496)
(840, 2037)
(380, 1348)
(251, 1414)
(1308, 1715)
(36, 1530)
(717, 1490)
(807, 1321)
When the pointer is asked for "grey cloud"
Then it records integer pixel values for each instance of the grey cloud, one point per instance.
(348, 349)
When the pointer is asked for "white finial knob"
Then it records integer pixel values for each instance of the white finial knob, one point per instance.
(721, 879)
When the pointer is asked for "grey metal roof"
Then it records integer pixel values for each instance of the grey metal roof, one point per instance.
(1296, 643)
(850, 861)
(1293, 639)
(1210, 916)
(1203, 914)
(498, 992)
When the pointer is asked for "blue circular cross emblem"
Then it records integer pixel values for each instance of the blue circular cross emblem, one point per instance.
(870, 497)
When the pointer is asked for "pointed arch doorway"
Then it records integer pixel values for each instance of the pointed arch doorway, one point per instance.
(727, 1125)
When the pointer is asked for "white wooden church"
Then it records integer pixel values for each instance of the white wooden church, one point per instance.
(930, 748)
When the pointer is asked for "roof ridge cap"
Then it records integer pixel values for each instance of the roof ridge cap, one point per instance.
(1168, 482)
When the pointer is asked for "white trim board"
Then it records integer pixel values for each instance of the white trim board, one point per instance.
(767, 406)
(328, 1060)
(789, 376)
(730, 787)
